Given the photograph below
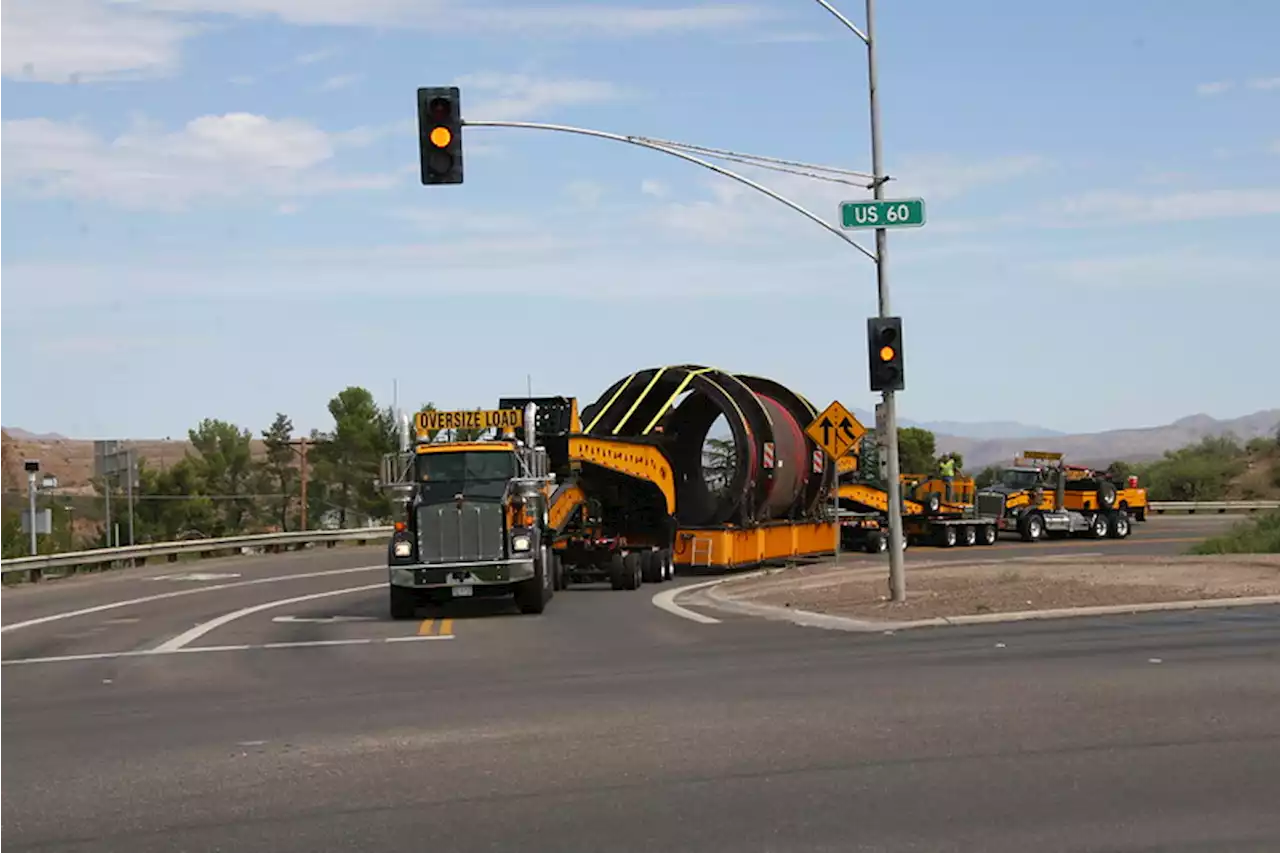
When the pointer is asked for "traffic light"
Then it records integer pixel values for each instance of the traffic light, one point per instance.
(440, 134)
(884, 351)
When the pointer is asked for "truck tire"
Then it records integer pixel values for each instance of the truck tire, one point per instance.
(876, 542)
(651, 570)
(532, 595)
(404, 603)
(947, 536)
(668, 565)
(617, 572)
(632, 571)
(559, 580)
(968, 535)
(1106, 494)
(1031, 526)
(933, 503)
(1099, 526)
(989, 534)
(1120, 527)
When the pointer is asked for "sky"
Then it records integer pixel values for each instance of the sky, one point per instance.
(212, 208)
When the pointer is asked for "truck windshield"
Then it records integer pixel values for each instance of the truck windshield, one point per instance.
(1020, 479)
(475, 474)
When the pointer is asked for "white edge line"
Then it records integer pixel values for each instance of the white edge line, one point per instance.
(190, 650)
(147, 599)
(666, 600)
(189, 636)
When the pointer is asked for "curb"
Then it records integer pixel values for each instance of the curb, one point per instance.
(810, 619)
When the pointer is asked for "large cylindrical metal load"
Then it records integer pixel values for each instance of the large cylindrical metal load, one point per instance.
(772, 475)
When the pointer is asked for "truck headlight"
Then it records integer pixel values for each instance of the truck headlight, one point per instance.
(520, 542)
(402, 548)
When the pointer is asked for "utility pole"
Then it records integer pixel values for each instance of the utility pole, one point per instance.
(32, 468)
(897, 576)
(129, 462)
(301, 444)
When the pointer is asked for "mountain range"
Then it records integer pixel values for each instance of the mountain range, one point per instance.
(981, 444)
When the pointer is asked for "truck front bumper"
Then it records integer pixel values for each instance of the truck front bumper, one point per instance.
(481, 573)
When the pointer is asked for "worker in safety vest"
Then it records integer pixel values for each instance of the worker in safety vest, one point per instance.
(947, 467)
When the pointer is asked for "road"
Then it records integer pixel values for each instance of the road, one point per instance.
(276, 716)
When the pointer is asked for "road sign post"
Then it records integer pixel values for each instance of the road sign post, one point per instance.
(903, 213)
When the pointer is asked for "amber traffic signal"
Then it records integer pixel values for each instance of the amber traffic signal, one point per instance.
(440, 134)
(884, 351)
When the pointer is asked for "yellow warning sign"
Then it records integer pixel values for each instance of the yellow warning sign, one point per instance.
(836, 430)
(430, 421)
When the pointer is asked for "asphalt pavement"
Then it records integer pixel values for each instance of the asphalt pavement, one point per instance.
(268, 703)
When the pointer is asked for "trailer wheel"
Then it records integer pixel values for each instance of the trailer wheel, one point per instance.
(969, 535)
(989, 534)
(1120, 527)
(617, 572)
(651, 567)
(933, 503)
(632, 571)
(876, 543)
(947, 536)
(1099, 526)
(404, 603)
(668, 565)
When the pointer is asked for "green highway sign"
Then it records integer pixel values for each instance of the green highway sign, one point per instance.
(903, 213)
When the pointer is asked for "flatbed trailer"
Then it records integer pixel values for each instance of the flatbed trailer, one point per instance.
(928, 520)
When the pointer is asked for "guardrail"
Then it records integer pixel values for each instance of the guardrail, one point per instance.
(133, 555)
(71, 561)
(1161, 507)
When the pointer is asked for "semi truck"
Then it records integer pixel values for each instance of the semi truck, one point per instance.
(475, 520)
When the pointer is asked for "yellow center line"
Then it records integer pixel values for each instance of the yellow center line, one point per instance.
(446, 627)
(425, 628)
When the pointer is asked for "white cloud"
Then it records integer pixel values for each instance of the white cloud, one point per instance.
(1265, 84)
(564, 19)
(1104, 207)
(340, 81)
(657, 189)
(510, 97)
(1214, 88)
(214, 156)
(81, 41)
(315, 56)
(585, 193)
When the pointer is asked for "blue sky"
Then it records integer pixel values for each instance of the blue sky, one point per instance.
(212, 207)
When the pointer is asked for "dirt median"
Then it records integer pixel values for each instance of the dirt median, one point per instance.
(1043, 583)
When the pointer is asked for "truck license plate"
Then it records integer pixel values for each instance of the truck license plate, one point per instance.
(461, 591)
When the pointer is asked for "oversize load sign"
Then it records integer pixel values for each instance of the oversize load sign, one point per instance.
(475, 419)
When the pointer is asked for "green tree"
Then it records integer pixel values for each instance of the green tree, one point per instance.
(348, 460)
(987, 476)
(917, 451)
(278, 470)
(719, 459)
(224, 467)
(1198, 472)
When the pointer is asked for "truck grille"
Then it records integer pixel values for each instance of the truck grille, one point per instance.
(448, 534)
(990, 504)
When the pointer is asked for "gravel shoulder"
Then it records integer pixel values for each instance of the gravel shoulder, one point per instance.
(1043, 583)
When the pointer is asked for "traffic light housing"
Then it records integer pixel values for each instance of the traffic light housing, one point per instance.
(884, 352)
(440, 134)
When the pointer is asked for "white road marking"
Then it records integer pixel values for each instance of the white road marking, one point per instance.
(324, 620)
(147, 599)
(186, 638)
(666, 600)
(197, 576)
(190, 650)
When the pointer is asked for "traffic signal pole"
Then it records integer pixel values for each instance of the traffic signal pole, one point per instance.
(897, 573)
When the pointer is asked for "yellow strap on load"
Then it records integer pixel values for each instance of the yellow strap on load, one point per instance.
(645, 393)
(676, 393)
(612, 400)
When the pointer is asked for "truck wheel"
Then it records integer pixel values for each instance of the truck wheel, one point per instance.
(617, 572)
(1106, 494)
(989, 534)
(632, 571)
(404, 603)
(532, 595)
(933, 503)
(651, 567)
(1120, 527)
(1032, 527)
(876, 543)
(968, 535)
(947, 536)
(1099, 526)
(668, 565)
(558, 579)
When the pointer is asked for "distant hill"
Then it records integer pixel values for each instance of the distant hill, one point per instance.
(963, 429)
(1100, 448)
(16, 432)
